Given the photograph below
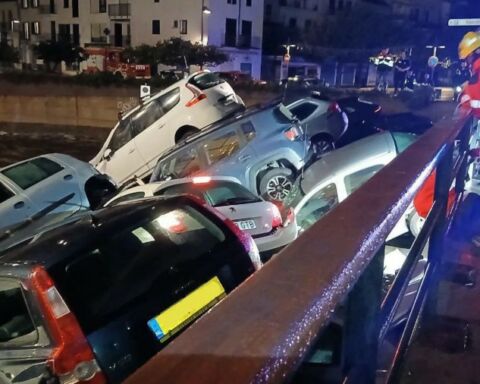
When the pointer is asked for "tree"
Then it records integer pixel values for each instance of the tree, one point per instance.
(54, 52)
(8, 54)
(175, 52)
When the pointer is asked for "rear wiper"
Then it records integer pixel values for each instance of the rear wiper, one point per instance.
(36, 216)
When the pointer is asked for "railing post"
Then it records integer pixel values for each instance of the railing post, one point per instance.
(361, 329)
(436, 243)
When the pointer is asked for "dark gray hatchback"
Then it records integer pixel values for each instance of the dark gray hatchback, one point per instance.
(93, 300)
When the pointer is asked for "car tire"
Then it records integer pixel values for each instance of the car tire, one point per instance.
(276, 184)
(322, 144)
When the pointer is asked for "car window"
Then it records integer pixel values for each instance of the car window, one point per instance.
(16, 326)
(303, 110)
(355, 180)
(32, 172)
(248, 130)
(216, 193)
(122, 134)
(147, 266)
(219, 147)
(206, 80)
(5, 193)
(182, 164)
(403, 140)
(317, 206)
(154, 110)
(129, 197)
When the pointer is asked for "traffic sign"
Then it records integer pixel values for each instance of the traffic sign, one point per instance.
(464, 23)
(433, 61)
(144, 91)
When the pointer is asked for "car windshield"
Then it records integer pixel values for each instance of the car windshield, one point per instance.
(215, 193)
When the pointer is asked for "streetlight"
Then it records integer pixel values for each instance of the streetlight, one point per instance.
(205, 11)
(286, 60)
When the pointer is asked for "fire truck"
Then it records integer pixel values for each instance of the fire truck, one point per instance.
(109, 59)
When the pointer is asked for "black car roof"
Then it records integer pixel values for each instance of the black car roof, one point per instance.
(224, 123)
(65, 240)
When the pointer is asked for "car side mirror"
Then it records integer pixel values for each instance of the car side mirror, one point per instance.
(107, 154)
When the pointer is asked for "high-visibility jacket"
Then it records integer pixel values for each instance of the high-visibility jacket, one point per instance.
(470, 99)
(423, 201)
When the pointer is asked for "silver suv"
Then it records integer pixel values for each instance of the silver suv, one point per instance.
(263, 148)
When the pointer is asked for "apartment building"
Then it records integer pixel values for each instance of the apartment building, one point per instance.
(306, 14)
(235, 26)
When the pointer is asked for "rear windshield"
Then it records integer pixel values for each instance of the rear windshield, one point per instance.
(215, 193)
(16, 326)
(206, 80)
(283, 115)
(32, 172)
(147, 266)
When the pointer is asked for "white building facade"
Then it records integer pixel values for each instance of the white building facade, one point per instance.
(235, 26)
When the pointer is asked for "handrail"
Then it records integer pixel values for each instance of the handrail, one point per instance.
(262, 331)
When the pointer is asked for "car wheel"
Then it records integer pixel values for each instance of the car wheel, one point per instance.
(321, 145)
(276, 184)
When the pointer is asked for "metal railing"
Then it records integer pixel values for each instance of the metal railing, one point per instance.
(264, 330)
(119, 10)
(242, 41)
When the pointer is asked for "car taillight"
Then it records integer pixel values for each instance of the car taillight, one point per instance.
(334, 107)
(290, 217)
(292, 133)
(196, 99)
(247, 242)
(277, 217)
(72, 359)
(201, 179)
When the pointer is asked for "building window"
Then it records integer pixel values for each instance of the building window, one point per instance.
(155, 27)
(331, 7)
(175, 23)
(66, 3)
(34, 3)
(282, 3)
(340, 5)
(268, 10)
(308, 25)
(26, 31)
(231, 1)
(35, 28)
(156, 1)
(24, 3)
(102, 6)
(292, 23)
(53, 31)
(97, 34)
(183, 27)
(248, 3)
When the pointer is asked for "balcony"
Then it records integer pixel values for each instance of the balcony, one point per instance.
(242, 41)
(120, 40)
(119, 10)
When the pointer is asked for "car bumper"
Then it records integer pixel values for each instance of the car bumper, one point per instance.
(280, 238)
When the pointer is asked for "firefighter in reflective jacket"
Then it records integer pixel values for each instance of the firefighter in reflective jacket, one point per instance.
(469, 50)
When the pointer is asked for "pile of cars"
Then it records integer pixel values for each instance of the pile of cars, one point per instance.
(103, 264)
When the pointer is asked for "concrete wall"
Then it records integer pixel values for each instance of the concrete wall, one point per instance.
(93, 111)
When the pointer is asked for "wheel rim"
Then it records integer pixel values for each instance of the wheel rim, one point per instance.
(279, 187)
(322, 146)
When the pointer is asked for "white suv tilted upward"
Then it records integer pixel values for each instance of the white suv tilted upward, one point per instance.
(135, 144)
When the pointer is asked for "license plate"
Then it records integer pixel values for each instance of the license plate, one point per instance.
(176, 317)
(245, 225)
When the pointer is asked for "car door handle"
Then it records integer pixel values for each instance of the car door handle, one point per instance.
(67, 177)
(19, 205)
(245, 157)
